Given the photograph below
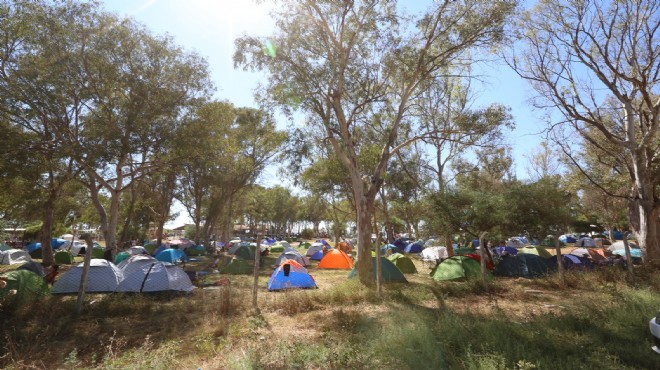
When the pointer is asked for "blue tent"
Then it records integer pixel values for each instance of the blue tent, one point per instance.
(172, 256)
(391, 247)
(323, 241)
(521, 265)
(567, 239)
(634, 252)
(317, 256)
(413, 248)
(290, 274)
(33, 247)
(56, 243)
(400, 243)
(570, 262)
(500, 250)
(159, 249)
(475, 243)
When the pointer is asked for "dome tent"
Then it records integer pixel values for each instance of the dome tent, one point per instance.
(103, 276)
(28, 286)
(336, 259)
(389, 272)
(288, 275)
(14, 256)
(141, 275)
(522, 265)
(237, 266)
(457, 268)
(403, 263)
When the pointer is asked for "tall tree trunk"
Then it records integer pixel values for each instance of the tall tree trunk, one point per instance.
(85, 272)
(379, 270)
(560, 265)
(45, 235)
(484, 255)
(629, 261)
(365, 211)
(113, 221)
(129, 215)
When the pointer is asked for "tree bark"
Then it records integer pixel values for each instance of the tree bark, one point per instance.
(46, 233)
(379, 270)
(484, 255)
(629, 264)
(560, 266)
(365, 210)
(85, 272)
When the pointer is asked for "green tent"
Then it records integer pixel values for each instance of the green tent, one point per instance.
(390, 273)
(245, 252)
(276, 249)
(150, 248)
(28, 286)
(537, 250)
(64, 258)
(4, 247)
(403, 263)
(304, 245)
(197, 250)
(457, 268)
(121, 256)
(97, 252)
(462, 251)
(237, 267)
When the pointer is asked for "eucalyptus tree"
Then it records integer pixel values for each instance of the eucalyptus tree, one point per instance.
(141, 86)
(41, 93)
(224, 150)
(356, 67)
(597, 65)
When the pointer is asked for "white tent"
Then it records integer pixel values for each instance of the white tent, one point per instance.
(14, 256)
(67, 237)
(516, 242)
(141, 258)
(434, 253)
(103, 276)
(144, 275)
(283, 243)
(137, 249)
(315, 247)
(618, 245)
(292, 254)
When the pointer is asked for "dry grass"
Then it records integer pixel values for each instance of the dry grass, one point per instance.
(340, 325)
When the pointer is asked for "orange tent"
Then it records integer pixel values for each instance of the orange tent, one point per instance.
(336, 259)
(344, 247)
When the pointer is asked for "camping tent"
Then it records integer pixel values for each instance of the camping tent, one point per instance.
(31, 247)
(516, 242)
(130, 259)
(618, 245)
(457, 268)
(567, 238)
(64, 258)
(153, 276)
(389, 272)
(500, 250)
(137, 249)
(414, 248)
(596, 254)
(477, 257)
(121, 256)
(317, 256)
(103, 276)
(537, 250)
(14, 256)
(291, 254)
(336, 259)
(315, 247)
(237, 266)
(521, 265)
(400, 243)
(172, 256)
(403, 263)
(35, 267)
(290, 274)
(27, 284)
(4, 247)
(244, 252)
(586, 241)
(435, 253)
(57, 243)
(390, 249)
(344, 247)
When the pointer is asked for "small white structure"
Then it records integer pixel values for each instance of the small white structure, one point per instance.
(103, 276)
(14, 256)
(434, 253)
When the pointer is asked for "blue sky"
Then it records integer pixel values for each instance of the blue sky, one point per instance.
(209, 28)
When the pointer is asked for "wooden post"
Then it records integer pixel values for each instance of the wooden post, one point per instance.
(560, 265)
(379, 280)
(484, 270)
(83, 278)
(629, 265)
(255, 285)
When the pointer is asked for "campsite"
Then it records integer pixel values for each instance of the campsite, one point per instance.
(416, 322)
(325, 184)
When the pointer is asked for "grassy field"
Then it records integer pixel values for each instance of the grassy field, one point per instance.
(596, 320)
